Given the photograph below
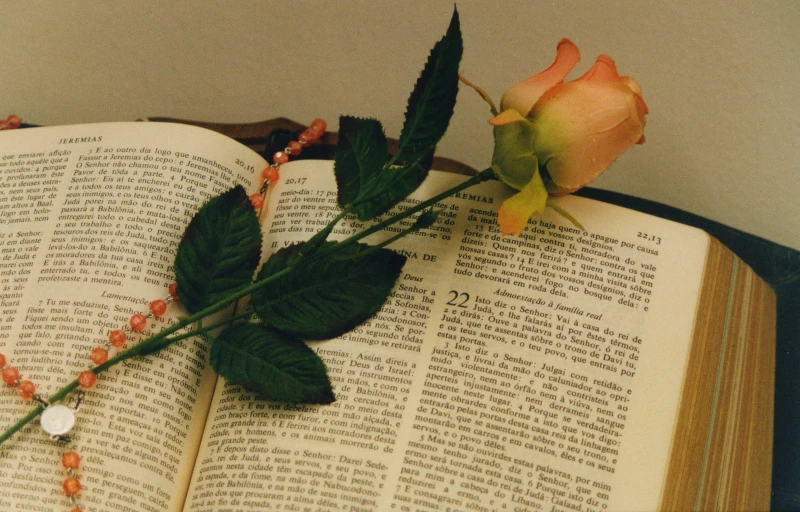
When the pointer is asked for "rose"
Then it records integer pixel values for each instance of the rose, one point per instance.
(555, 137)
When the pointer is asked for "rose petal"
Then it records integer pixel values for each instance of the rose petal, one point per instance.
(603, 70)
(641, 106)
(582, 127)
(513, 215)
(522, 96)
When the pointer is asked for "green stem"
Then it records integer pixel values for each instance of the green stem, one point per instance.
(484, 175)
(21, 423)
(387, 242)
(313, 243)
(204, 330)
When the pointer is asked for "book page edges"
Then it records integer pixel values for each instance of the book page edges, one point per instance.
(721, 455)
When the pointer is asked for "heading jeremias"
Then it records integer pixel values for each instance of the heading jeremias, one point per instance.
(80, 140)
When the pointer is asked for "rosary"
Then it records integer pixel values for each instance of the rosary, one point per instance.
(57, 420)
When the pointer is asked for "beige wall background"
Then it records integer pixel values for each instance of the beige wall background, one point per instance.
(720, 78)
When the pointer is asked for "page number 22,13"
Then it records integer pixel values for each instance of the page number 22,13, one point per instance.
(649, 237)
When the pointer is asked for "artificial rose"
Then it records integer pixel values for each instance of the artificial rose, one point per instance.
(555, 137)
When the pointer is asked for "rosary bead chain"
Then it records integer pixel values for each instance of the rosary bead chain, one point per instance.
(71, 486)
(270, 173)
(10, 375)
(117, 338)
(70, 460)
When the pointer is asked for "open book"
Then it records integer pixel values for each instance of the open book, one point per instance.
(627, 366)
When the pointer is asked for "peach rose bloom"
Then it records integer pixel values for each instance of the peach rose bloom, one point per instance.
(555, 136)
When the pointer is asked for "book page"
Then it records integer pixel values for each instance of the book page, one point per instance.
(541, 371)
(90, 218)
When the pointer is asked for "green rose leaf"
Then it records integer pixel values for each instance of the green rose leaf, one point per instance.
(325, 298)
(277, 365)
(431, 103)
(361, 153)
(366, 184)
(219, 252)
(369, 189)
(394, 185)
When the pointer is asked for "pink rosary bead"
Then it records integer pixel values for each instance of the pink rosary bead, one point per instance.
(158, 308)
(314, 132)
(308, 137)
(87, 379)
(99, 356)
(117, 338)
(70, 460)
(138, 322)
(270, 174)
(71, 486)
(10, 123)
(10, 375)
(280, 157)
(257, 200)
(294, 148)
(26, 389)
(319, 125)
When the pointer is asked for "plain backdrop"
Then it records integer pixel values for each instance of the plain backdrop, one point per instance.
(720, 78)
